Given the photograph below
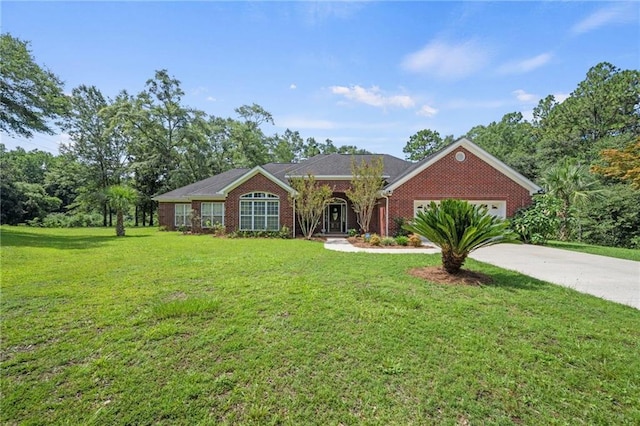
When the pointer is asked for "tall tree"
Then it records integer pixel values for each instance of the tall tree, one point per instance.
(366, 183)
(250, 142)
(623, 164)
(512, 140)
(30, 95)
(287, 148)
(160, 128)
(422, 144)
(95, 142)
(603, 112)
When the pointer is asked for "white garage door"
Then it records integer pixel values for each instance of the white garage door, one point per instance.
(495, 207)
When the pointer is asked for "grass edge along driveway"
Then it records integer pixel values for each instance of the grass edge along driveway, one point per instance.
(163, 328)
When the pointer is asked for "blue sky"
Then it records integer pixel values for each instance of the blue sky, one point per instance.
(369, 74)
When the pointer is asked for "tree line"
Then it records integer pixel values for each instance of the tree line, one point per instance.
(584, 150)
(150, 141)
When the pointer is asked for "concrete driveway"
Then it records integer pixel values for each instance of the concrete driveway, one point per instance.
(612, 279)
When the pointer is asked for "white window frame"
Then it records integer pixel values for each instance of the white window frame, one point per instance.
(259, 201)
(207, 212)
(182, 211)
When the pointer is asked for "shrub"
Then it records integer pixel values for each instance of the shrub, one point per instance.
(388, 241)
(400, 222)
(65, 220)
(538, 222)
(402, 240)
(353, 232)
(219, 229)
(375, 240)
(284, 233)
(415, 240)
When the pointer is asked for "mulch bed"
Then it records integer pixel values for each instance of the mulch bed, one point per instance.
(359, 242)
(438, 275)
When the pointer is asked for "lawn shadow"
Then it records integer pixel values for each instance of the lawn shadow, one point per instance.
(512, 280)
(15, 238)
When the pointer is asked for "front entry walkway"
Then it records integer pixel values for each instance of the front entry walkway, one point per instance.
(612, 279)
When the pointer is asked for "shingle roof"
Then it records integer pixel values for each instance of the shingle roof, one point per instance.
(319, 165)
(209, 186)
(340, 165)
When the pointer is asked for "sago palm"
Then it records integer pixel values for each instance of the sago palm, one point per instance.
(458, 228)
(120, 197)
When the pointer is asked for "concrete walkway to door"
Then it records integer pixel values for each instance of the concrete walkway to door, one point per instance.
(612, 279)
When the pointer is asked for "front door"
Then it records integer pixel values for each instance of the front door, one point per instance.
(335, 218)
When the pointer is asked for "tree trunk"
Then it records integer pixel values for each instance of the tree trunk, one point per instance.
(110, 218)
(104, 215)
(452, 262)
(136, 216)
(144, 215)
(120, 224)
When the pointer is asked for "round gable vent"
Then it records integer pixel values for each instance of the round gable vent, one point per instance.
(460, 156)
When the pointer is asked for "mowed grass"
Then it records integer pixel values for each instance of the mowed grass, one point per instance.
(617, 252)
(164, 328)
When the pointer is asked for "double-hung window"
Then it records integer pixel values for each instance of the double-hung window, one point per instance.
(183, 214)
(259, 211)
(211, 214)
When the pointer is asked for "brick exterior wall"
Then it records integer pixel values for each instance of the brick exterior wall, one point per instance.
(258, 183)
(166, 215)
(471, 179)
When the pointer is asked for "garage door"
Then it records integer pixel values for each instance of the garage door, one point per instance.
(496, 208)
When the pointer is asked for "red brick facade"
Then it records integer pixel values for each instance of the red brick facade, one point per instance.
(257, 183)
(471, 179)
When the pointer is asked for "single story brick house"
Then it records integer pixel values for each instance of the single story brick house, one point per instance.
(259, 198)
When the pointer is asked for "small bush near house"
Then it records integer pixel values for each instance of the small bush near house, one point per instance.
(538, 222)
(353, 232)
(402, 240)
(415, 240)
(388, 241)
(375, 240)
(283, 233)
(219, 230)
(399, 223)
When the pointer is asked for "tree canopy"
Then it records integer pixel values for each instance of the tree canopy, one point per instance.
(30, 95)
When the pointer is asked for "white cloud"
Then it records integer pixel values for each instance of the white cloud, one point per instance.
(211, 99)
(615, 14)
(528, 98)
(561, 97)
(427, 111)
(373, 96)
(293, 86)
(447, 60)
(525, 65)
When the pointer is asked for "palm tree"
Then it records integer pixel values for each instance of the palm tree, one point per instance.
(458, 228)
(120, 197)
(574, 186)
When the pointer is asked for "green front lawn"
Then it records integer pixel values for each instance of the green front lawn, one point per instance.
(617, 252)
(172, 329)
